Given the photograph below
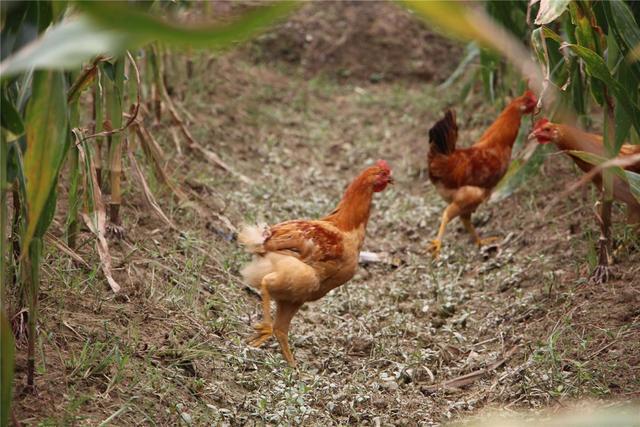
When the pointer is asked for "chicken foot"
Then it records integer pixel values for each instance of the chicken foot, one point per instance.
(466, 221)
(284, 314)
(452, 211)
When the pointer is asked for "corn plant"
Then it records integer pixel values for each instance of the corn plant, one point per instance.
(43, 77)
(581, 54)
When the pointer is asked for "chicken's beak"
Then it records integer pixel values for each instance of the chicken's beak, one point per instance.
(391, 180)
(532, 136)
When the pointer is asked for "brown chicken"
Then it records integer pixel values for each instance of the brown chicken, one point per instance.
(301, 260)
(569, 138)
(465, 177)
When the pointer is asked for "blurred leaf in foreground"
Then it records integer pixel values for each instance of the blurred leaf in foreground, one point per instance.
(113, 27)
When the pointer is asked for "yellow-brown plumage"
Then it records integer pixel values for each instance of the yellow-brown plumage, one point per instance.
(301, 260)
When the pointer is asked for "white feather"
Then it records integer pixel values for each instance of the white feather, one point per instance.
(253, 236)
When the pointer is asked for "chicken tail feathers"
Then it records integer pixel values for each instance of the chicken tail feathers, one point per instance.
(252, 237)
(444, 134)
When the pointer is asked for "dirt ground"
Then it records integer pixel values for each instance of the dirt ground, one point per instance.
(170, 348)
(355, 40)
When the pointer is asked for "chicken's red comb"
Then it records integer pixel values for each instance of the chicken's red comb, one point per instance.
(384, 165)
(529, 94)
(543, 121)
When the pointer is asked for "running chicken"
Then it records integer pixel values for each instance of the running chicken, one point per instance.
(465, 177)
(302, 260)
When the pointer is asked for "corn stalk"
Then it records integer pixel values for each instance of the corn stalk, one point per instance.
(156, 84)
(114, 111)
(601, 272)
(82, 80)
(74, 178)
(7, 345)
(98, 123)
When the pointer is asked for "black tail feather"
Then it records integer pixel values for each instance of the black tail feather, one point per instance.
(444, 134)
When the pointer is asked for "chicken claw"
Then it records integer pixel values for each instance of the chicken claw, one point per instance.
(265, 331)
(600, 275)
(435, 247)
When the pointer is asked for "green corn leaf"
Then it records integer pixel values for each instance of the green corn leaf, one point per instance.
(550, 34)
(48, 212)
(550, 10)
(143, 27)
(598, 69)
(81, 81)
(592, 159)
(65, 46)
(10, 120)
(597, 91)
(621, 115)
(46, 133)
(584, 32)
(511, 14)
(625, 30)
(58, 8)
(577, 88)
(585, 35)
(12, 35)
(544, 36)
(537, 44)
(634, 55)
(41, 13)
(7, 349)
(113, 27)
(632, 178)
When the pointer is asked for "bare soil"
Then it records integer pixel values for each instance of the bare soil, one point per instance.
(356, 40)
(170, 348)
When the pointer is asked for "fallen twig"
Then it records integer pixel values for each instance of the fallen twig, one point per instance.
(472, 377)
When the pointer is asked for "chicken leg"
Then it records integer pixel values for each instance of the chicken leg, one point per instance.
(466, 221)
(264, 328)
(449, 213)
(284, 313)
